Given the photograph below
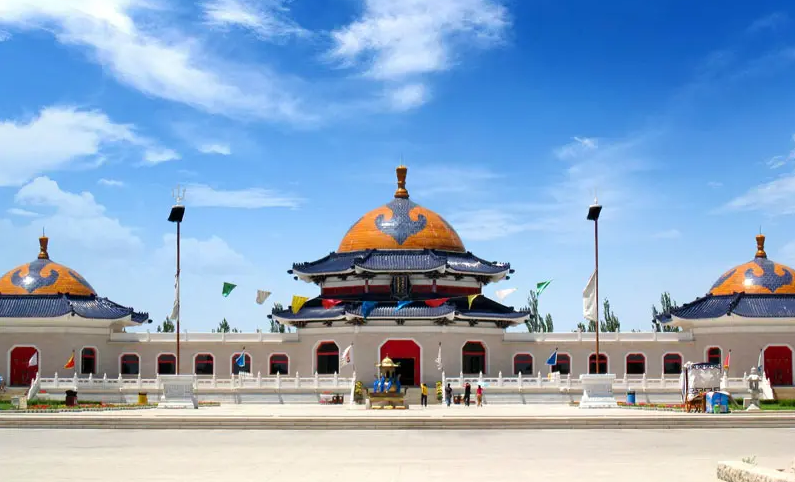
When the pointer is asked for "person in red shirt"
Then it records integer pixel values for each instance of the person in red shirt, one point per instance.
(480, 396)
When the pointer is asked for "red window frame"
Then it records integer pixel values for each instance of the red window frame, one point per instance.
(523, 358)
(204, 358)
(714, 355)
(167, 359)
(592, 361)
(124, 361)
(563, 360)
(246, 365)
(672, 358)
(281, 359)
(327, 349)
(639, 359)
(471, 352)
(88, 353)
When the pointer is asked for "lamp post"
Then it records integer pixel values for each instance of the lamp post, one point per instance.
(176, 215)
(593, 215)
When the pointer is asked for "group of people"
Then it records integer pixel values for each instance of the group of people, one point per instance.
(448, 395)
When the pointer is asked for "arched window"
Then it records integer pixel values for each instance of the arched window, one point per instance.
(279, 363)
(714, 355)
(672, 364)
(246, 368)
(473, 358)
(563, 365)
(204, 364)
(328, 358)
(602, 363)
(166, 364)
(523, 363)
(88, 361)
(636, 364)
(130, 364)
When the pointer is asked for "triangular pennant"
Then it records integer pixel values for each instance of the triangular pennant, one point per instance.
(71, 362)
(367, 308)
(228, 287)
(437, 302)
(262, 296)
(298, 302)
(328, 304)
(175, 309)
(470, 299)
(501, 294)
(540, 287)
(402, 304)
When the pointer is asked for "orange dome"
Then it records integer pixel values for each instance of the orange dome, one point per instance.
(758, 276)
(43, 277)
(401, 224)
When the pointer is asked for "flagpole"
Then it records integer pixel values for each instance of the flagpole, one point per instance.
(593, 215)
(176, 216)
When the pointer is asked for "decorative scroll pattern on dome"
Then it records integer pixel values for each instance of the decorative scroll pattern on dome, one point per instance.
(759, 276)
(34, 278)
(44, 277)
(401, 226)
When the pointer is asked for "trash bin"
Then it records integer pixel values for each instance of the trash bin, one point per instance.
(630, 397)
(71, 398)
(142, 398)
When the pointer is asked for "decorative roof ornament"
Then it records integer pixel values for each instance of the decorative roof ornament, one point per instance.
(401, 192)
(760, 246)
(43, 242)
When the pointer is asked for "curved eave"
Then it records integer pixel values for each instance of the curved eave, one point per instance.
(56, 306)
(731, 308)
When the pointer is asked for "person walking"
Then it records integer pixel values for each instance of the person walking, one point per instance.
(448, 394)
(480, 396)
(467, 393)
(424, 396)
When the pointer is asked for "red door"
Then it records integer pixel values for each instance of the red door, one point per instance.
(778, 365)
(21, 374)
(407, 353)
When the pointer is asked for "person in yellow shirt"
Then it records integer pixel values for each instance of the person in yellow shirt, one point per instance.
(424, 396)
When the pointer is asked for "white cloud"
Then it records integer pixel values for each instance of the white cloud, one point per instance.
(668, 234)
(576, 148)
(489, 224)
(158, 155)
(215, 148)
(110, 183)
(77, 217)
(201, 195)
(775, 197)
(159, 62)
(776, 162)
(431, 180)
(23, 213)
(4, 36)
(769, 22)
(269, 19)
(408, 96)
(210, 256)
(57, 138)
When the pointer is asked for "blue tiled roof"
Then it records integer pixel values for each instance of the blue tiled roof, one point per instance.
(740, 304)
(50, 306)
(400, 260)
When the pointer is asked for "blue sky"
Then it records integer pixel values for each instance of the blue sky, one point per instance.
(285, 121)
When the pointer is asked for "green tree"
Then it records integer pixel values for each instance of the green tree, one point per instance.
(223, 327)
(277, 327)
(536, 322)
(666, 305)
(610, 323)
(589, 329)
(549, 327)
(166, 327)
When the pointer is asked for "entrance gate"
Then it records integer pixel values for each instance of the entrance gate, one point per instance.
(407, 353)
(20, 373)
(778, 365)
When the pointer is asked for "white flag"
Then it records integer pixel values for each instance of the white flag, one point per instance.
(589, 299)
(439, 358)
(501, 294)
(262, 296)
(347, 356)
(175, 309)
(34, 360)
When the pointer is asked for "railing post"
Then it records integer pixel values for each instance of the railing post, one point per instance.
(568, 380)
(443, 381)
(297, 380)
(353, 389)
(104, 381)
(279, 380)
(56, 379)
(499, 379)
(336, 380)
(259, 379)
(643, 382)
(625, 378)
(461, 378)
(215, 381)
(539, 379)
(139, 379)
(662, 381)
(74, 379)
(519, 380)
(317, 381)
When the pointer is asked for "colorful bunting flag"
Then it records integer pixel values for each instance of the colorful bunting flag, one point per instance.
(34, 360)
(728, 359)
(367, 308)
(241, 359)
(228, 287)
(402, 304)
(262, 296)
(540, 287)
(71, 362)
(471, 298)
(439, 358)
(298, 302)
(501, 294)
(589, 300)
(346, 358)
(553, 358)
(435, 303)
(328, 304)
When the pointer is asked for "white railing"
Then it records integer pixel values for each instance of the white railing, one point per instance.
(609, 337)
(185, 337)
(200, 383)
(555, 381)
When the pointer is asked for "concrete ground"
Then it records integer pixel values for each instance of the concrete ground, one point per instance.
(406, 455)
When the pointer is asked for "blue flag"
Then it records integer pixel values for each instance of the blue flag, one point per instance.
(553, 358)
(367, 308)
(402, 304)
(241, 360)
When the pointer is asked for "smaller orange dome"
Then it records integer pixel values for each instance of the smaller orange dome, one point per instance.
(43, 277)
(401, 224)
(758, 276)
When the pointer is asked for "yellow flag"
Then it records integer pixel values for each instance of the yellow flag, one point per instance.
(298, 302)
(471, 298)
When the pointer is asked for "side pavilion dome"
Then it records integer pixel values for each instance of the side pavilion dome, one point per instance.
(759, 276)
(401, 224)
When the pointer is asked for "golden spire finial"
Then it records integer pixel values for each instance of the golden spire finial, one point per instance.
(760, 246)
(401, 192)
(43, 241)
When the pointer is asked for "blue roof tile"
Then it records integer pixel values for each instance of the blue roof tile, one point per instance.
(51, 306)
(740, 304)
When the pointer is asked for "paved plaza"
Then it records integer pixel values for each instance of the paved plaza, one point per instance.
(404, 455)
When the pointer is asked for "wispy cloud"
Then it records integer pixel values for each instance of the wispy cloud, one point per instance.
(269, 19)
(210, 256)
(4, 35)
(215, 148)
(776, 162)
(110, 183)
(775, 197)
(714, 184)
(769, 22)
(160, 155)
(23, 213)
(432, 180)
(576, 148)
(667, 234)
(408, 96)
(201, 195)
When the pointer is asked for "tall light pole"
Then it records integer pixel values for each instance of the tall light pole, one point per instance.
(176, 215)
(593, 215)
